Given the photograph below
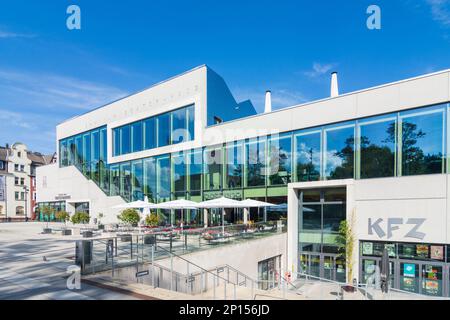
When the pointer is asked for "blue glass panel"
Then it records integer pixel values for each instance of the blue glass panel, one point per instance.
(163, 130)
(137, 141)
(179, 126)
(339, 152)
(191, 122)
(116, 142)
(308, 156)
(163, 178)
(138, 180)
(125, 139)
(150, 133)
(150, 179)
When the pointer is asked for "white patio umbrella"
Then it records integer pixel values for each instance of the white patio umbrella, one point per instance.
(146, 210)
(139, 204)
(178, 204)
(251, 203)
(223, 203)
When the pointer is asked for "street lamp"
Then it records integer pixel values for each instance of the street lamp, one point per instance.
(26, 189)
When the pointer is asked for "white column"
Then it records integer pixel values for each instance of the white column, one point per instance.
(245, 215)
(205, 217)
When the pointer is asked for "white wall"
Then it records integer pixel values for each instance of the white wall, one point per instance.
(52, 181)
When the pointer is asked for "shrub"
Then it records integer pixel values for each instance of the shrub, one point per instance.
(152, 220)
(129, 216)
(63, 216)
(80, 217)
(47, 212)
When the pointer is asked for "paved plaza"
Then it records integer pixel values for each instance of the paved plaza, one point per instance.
(34, 265)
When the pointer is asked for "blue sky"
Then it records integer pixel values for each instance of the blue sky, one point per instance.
(49, 73)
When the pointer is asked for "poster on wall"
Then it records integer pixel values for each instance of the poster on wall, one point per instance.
(437, 253)
(422, 251)
(367, 248)
(2, 188)
(409, 270)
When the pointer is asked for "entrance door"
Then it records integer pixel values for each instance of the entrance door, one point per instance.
(322, 266)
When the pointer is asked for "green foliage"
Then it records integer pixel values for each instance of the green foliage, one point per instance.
(62, 216)
(152, 220)
(129, 216)
(346, 243)
(80, 217)
(47, 212)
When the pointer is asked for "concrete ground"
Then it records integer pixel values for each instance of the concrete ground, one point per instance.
(34, 266)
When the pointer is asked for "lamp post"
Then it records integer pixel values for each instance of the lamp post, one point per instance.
(25, 188)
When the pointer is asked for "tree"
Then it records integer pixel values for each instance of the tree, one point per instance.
(80, 217)
(130, 216)
(346, 243)
(47, 212)
(63, 216)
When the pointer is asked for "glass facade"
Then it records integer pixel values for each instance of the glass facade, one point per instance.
(396, 144)
(162, 130)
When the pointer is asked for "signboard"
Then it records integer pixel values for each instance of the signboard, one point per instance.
(142, 273)
(409, 270)
(62, 197)
(437, 252)
(2, 188)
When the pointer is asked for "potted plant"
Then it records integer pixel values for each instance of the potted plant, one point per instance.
(63, 216)
(346, 243)
(99, 220)
(130, 217)
(152, 220)
(82, 217)
(47, 213)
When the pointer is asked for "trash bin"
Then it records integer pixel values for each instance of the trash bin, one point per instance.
(83, 253)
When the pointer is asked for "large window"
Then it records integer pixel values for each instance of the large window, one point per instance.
(150, 179)
(95, 156)
(255, 162)
(422, 141)
(195, 172)
(280, 160)
(163, 122)
(79, 150)
(377, 147)
(234, 165)
(137, 174)
(339, 152)
(307, 155)
(125, 180)
(137, 137)
(87, 154)
(167, 128)
(213, 168)
(150, 133)
(179, 168)
(179, 126)
(163, 178)
(114, 172)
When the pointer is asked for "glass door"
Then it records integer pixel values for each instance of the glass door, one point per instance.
(328, 267)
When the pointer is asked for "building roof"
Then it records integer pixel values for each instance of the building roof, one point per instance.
(40, 159)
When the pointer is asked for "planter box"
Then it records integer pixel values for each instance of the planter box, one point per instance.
(150, 240)
(66, 232)
(101, 227)
(47, 230)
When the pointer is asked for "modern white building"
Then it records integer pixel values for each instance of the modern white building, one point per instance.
(376, 158)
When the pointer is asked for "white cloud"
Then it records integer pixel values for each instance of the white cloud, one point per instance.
(440, 11)
(8, 34)
(55, 91)
(319, 69)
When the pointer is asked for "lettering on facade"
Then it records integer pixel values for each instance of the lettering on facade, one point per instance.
(62, 197)
(393, 224)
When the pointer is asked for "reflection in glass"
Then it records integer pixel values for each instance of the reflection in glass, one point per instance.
(422, 144)
(213, 168)
(280, 160)
(125, 139)
(377, 145)
(256, 162)
(191, 122)
(138, 180)
(339, 153)
(150, 133)
(234, 165)
(308, 156)
(179, 126)
(163, 122)
(150, 179)
(136, 133)
(195, 171)
(163, 178)
(179, 174)
(114, 180)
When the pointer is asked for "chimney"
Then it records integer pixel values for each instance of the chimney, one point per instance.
(334, 85)
(268, 103)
